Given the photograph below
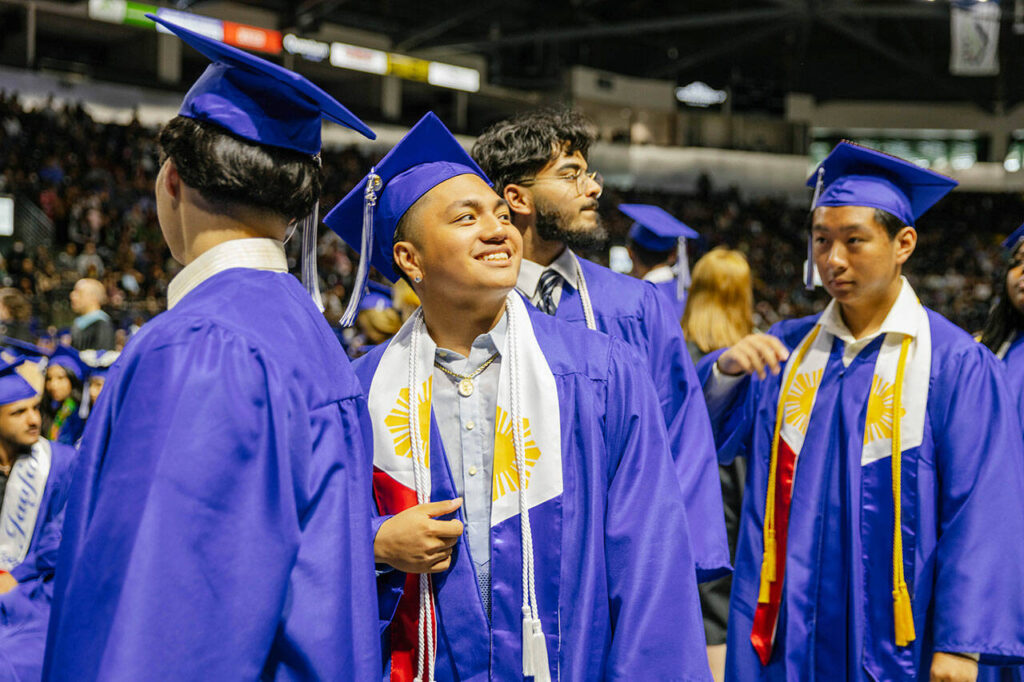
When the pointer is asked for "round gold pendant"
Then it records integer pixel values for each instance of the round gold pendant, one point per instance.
(465, 388)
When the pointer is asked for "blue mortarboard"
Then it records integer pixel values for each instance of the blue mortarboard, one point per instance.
(258, 100)
(1013, 241)
(656, 229)
(30, 350)
(13, 386)
(377, 297)
(367, 218)
(69, 359)
(852, 175)
(97, 362)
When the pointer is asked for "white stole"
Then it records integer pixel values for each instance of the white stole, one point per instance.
(22, 500)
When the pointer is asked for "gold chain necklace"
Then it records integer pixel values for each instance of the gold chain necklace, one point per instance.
(466, 381)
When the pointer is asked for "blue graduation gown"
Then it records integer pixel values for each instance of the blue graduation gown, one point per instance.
(25, 610)
(962, 521)
(669, 290)
(615, 576)
(635, 312)
(218, 527)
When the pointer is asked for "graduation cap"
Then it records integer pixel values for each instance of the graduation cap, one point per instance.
(377, 297)
(97, 363)
(656, 229)
(13, 385)
(29, 350)
(258, 100)
(264, 103)
(854, 175)
(368, 217)
(1011, 243)
(70, 360)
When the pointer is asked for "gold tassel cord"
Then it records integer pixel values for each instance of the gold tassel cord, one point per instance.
(768, 562)
(903, 613)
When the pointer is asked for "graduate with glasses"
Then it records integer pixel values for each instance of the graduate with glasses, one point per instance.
(530, 514)
(219, 523)
(881, 524)
(539, 164)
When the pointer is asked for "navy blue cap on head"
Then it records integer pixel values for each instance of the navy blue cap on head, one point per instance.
(655, 228)
(853, 175)
(14, 386)
(70, 360)
(427, 156)
(257, 99)
(1013, 241)
(97, 362)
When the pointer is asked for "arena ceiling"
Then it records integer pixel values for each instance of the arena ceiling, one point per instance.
(833, 49)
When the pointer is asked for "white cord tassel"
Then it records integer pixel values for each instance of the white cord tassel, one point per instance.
(581, 286)
(682, 269)
(809, 273)
(421, 478)
(310, 277)
(373, 185)
(535, 651)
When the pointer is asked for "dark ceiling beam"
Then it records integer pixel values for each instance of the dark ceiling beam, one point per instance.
(421, 35)
(924, 11)
(690, 21)
(722, 49)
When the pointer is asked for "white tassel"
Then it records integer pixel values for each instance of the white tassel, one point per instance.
(373, 185)
(809, 271)
(682, 269)
(310, 277)
(581, 286)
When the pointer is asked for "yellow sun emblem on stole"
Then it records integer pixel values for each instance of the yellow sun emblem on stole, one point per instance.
(879, 419)
(397, 421)
(800, 400)
(506, 474)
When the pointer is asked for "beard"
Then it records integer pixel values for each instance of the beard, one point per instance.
(554, 224)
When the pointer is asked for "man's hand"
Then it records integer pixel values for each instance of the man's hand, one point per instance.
(753, 354)
(953, 668)
(7, 583)
(413, 541)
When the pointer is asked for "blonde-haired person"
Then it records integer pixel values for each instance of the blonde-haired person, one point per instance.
(719, 312)
(720, 306)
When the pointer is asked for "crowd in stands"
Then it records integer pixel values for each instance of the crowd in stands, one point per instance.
(94, 181)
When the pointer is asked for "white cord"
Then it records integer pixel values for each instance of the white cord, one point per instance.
(581, 286)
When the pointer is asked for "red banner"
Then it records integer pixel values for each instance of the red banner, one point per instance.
(252, 38)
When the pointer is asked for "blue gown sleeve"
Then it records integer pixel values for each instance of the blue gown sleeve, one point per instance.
(203, 527)
(732, 420)
(691, 442)
(980, 461)
(657, 627)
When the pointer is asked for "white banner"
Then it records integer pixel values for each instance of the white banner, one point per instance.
(974, 39)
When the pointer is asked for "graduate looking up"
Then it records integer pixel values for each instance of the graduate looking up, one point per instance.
(538, 162)
(219, 526)
(881, 522)
(575, 560)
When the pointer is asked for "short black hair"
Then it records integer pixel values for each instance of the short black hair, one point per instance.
(228, 170)
(891, 223)
(517, 148)
(648, 257)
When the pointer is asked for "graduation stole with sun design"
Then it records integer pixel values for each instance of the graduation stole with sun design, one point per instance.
(894, 423)
(526, 387)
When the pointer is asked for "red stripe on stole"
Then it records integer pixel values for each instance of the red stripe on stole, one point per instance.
(393, 497)
(766, 616)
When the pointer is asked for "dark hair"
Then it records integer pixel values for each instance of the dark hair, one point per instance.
(1004, 319)
(519, 147)
(227, 170)
(891, 223)
(48, 410)
(649, 258)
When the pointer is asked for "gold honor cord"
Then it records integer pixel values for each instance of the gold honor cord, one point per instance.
(768, 561)
(902, 611)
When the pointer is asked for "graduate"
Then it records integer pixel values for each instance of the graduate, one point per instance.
(65, 377)
(886, 448)
(34, 478)
(1002, 333)
(657, 247)
(538, 162)
(219, 524)
(533, 521)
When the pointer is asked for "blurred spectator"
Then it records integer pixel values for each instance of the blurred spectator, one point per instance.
(16, 315)
(92, 329)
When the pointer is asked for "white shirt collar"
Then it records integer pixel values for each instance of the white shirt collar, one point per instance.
(530, 272)
(662, 273)
(902, 319)
(255, 254)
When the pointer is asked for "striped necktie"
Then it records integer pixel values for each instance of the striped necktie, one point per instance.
(549, 280)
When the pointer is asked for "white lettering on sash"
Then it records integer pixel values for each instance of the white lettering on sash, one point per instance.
(22, 499)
